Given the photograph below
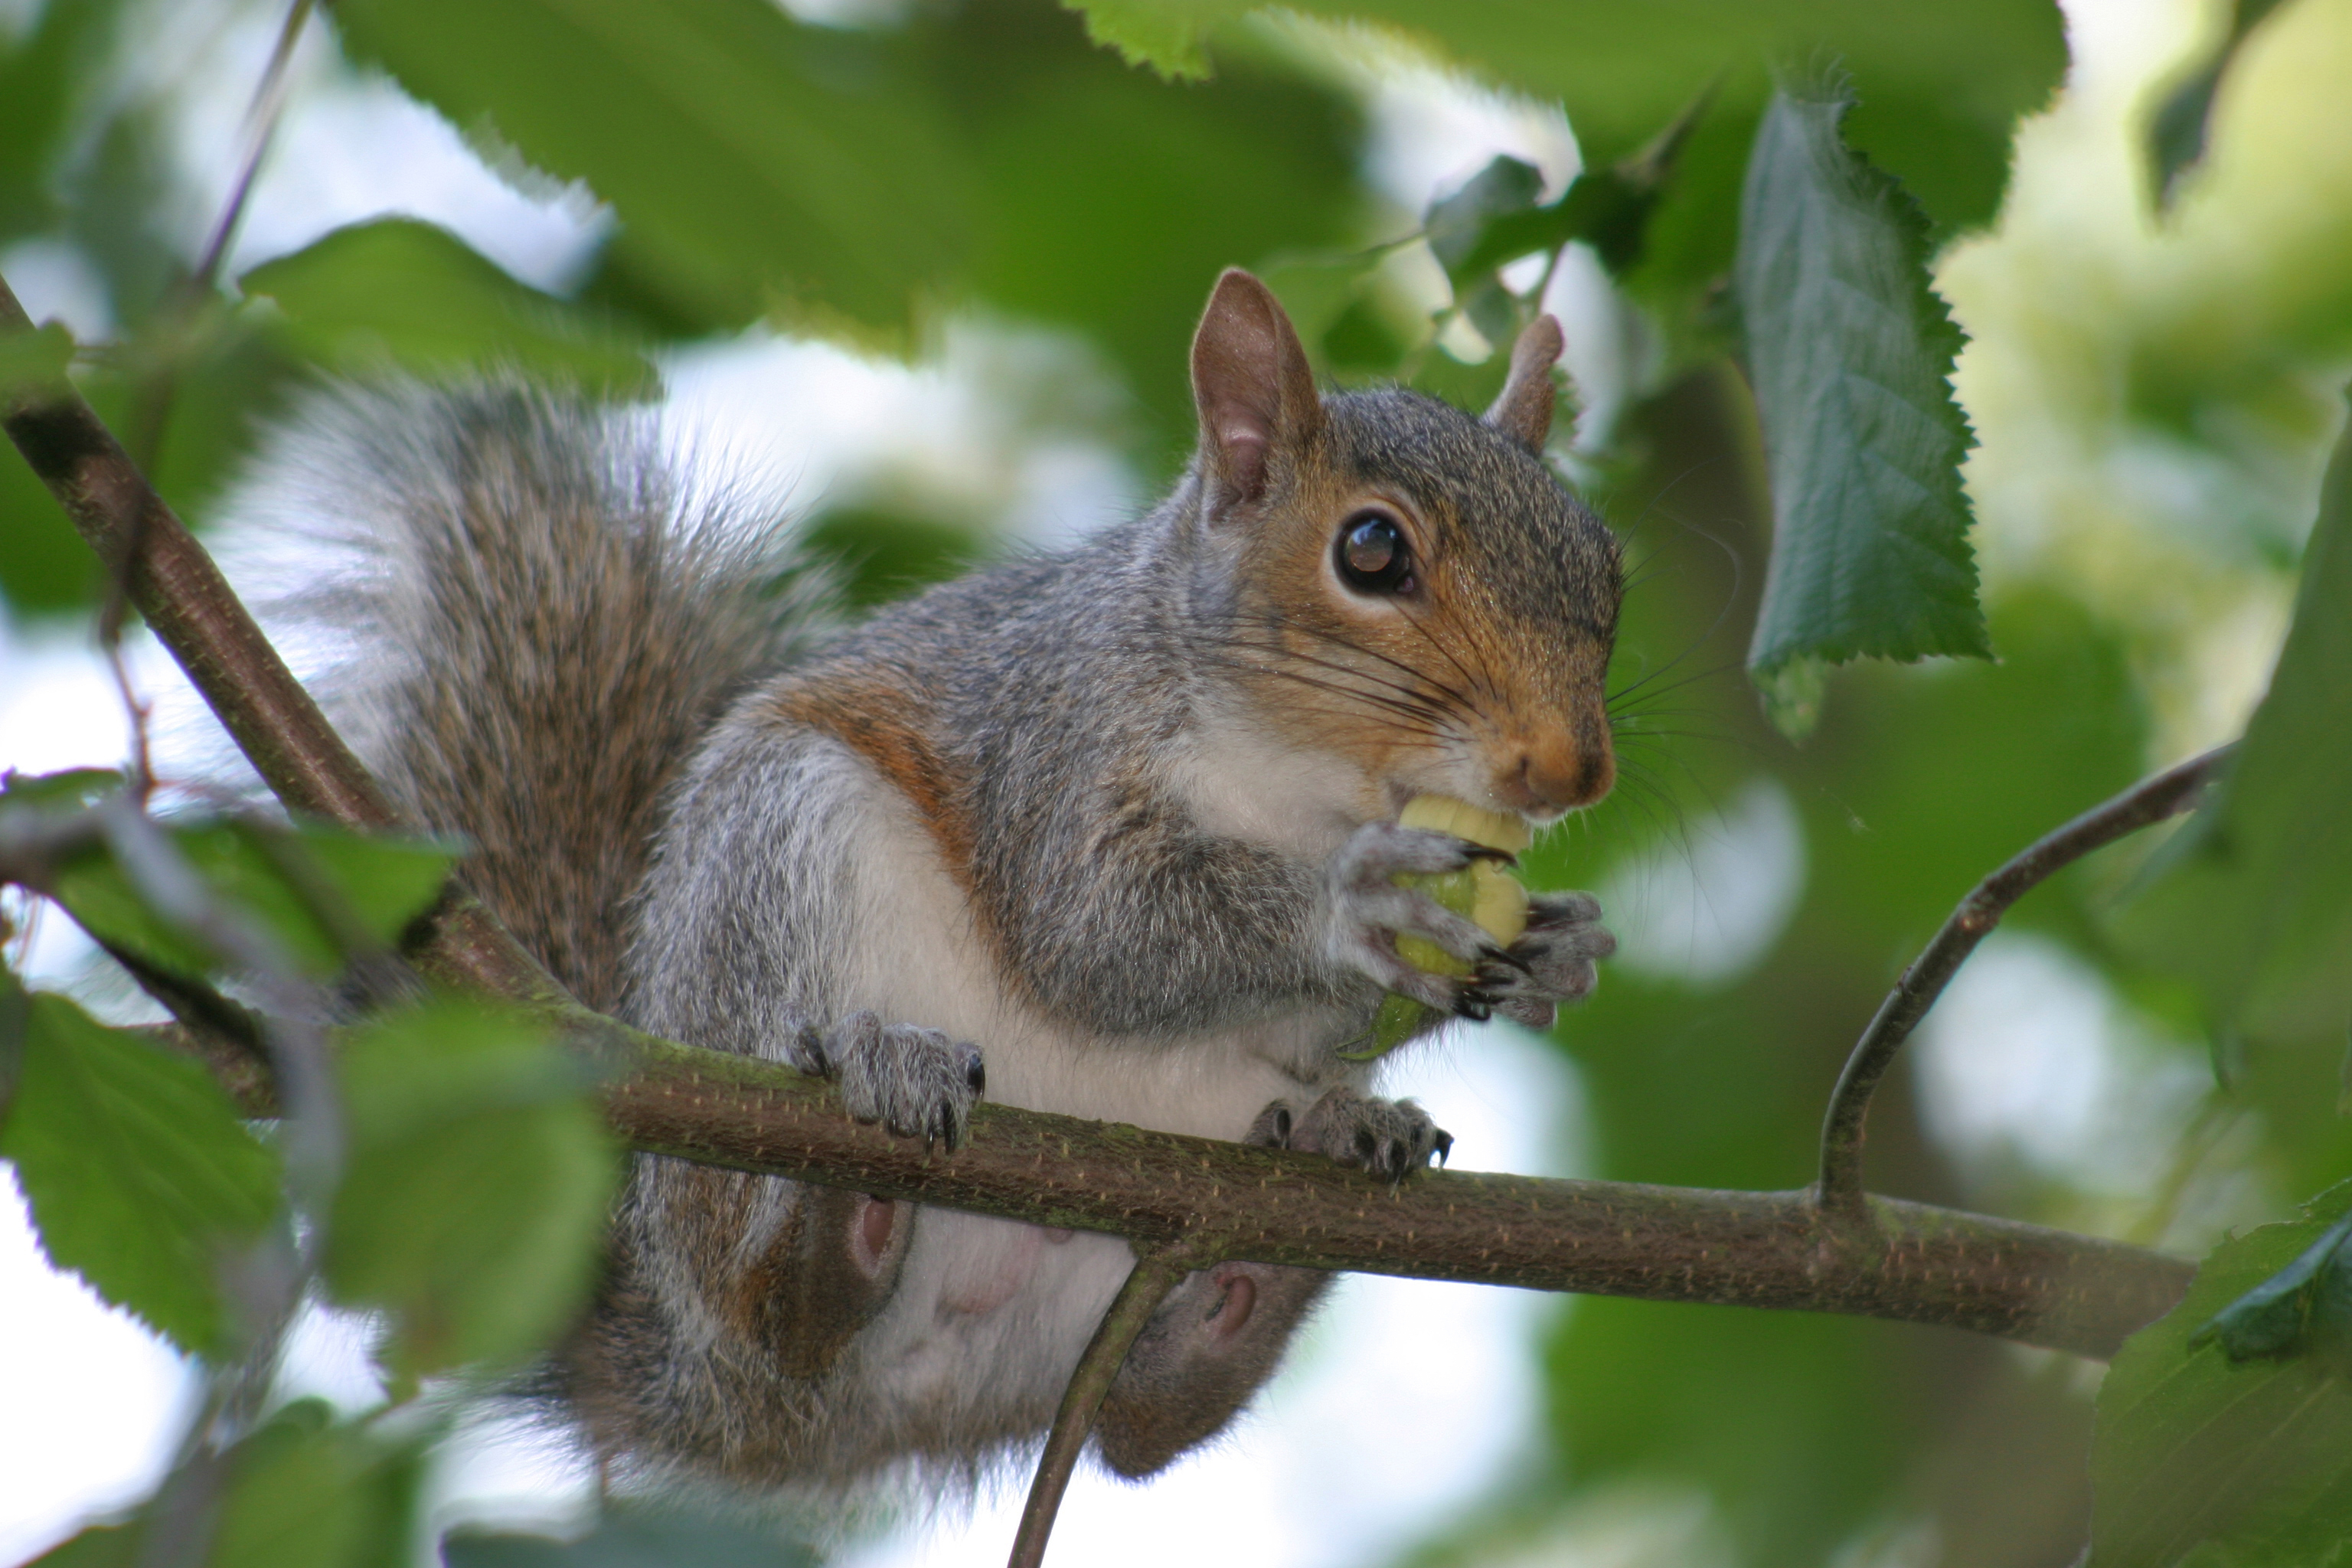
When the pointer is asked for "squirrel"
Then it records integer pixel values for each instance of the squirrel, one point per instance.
(1111, 832)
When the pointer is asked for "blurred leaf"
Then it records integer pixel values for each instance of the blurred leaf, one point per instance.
(46, 77)
(2199, 1457)
(44, 567)
(2176, 132)
(879, 556)
(99, 1546)
(138, 1171)
(307, 1492)
(1942, 86)
(1850, 352)
(379, 883)
(1108, 201)
(1457, 223)
(29, 361)
(633, 1537)
(2254, 899)
(475, 1187)
(69, 787)
(416, 295)
(758, 166)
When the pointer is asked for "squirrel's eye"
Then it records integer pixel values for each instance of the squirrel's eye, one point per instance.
(1372, 555)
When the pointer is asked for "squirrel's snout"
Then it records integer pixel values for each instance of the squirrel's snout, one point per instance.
(1555, 774)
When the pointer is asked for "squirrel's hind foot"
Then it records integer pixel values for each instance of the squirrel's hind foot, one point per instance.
(1391, 1137)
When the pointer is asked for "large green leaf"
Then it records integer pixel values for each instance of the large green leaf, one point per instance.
(2254, 901)
(1943, 84)
(141, 1176)
(418, 296)
(1848, 353)
(2201, 1458)
(475, 1187)
(758, 166)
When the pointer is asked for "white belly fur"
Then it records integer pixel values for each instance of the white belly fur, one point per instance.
(989, 1311)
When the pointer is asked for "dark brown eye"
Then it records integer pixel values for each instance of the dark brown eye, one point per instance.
(1372, 555)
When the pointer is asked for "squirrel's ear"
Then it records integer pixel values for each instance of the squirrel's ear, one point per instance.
(1523, 411)
(1251, 384)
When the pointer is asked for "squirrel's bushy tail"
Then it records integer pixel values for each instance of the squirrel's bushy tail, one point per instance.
(523, 620)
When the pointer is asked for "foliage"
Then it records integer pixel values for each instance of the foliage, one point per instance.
(1786, 462)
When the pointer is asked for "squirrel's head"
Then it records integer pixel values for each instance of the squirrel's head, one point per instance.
(1409, 585)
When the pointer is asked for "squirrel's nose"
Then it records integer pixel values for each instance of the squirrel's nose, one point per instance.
(1555, 774)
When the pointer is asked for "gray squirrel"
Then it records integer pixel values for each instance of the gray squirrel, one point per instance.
(1111, 832)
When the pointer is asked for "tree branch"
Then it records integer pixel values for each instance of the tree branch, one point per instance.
(1839, 1189)
(1155, 1274)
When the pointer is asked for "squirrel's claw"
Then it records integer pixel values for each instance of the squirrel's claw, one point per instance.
(1390, 1138)
(914, 1081)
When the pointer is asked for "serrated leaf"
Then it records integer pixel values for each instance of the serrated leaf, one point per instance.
(475, 1189)
(2253, 900)
(757, 165)
(418, 296)
(1848, 353)
(2241, 1461)
(140, 1174)
(381, 883)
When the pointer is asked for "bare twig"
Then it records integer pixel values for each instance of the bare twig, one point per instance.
(1839, 1189)
(1156, 1273)
(152, 404)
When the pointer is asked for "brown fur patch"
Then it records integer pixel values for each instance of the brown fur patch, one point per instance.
(883, 723)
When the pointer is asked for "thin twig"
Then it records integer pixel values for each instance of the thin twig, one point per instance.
(1839, 1190)
(1155, 1274)
(151, 406)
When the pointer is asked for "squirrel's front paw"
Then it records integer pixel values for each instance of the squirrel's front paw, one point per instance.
(914, 1081)
(1553, 960)
(1391, 1137)
(1368, 911)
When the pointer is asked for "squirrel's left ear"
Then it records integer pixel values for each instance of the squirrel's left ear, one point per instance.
(1523, 411)
(1252, 385)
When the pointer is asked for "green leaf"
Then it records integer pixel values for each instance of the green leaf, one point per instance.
(30, 361)
(633, 1537)
(1848, 353)
(881, 555)
(2253, 900)
(758, 166)
(2176, 132)
(302, 884)
(68, 787)
(2300, 1307)
(140, 1173)
(475, 1187)
(2197, 1455)
(1506, 187)
(305, 1492)
(417, 295)
(1943, 85)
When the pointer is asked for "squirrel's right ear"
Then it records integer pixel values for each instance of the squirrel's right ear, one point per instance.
(1252, 385)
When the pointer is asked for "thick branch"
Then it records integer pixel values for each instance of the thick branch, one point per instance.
(1840, 1188)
